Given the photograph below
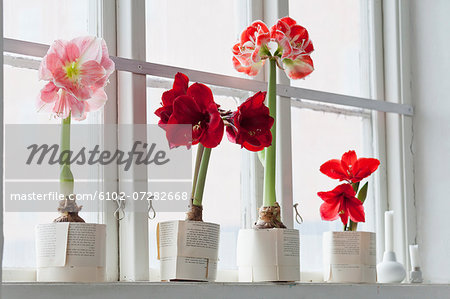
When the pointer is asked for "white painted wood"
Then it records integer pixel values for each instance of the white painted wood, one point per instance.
(376, 76)
(398, 129)
(409, 199)
(141, 67)
(107, 29)
(133, 228)
(1, 143)
(224, 290)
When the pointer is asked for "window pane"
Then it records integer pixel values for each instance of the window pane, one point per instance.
(38, 22)
(20, 108)
(333, 135)
(45, 21)
(222, 190)
(339, 33)
(196, 34)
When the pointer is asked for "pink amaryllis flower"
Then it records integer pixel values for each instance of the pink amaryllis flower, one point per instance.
(341, 202)
(77, 72)
(251, 50)
(295, 47)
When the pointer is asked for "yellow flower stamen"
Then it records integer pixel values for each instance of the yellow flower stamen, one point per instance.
(72, 71)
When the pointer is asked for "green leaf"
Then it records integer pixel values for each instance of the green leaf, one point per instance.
(262, 156)
(363, 192)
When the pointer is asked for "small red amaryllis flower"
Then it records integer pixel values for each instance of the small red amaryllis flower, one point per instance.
(341, 201)
(197, 108)
(251, 50)
(250, 125)
(180, 86)
(295, 46)
(350, 168)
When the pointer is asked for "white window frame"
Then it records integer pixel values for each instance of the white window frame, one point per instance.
(389, 81)
(105, 11)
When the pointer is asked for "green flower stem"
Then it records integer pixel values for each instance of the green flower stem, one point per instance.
(270, 155)
(66, 176)
(198, 160)
(200, 186)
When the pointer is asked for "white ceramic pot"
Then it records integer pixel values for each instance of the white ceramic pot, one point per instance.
(268, 255)
(349, 257)
(188, 250)
(71, 252)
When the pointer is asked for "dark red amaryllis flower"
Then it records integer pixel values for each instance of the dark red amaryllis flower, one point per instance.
(180, 86)
(350, 168)
(341, 201)
(196, 107)
(250, 125)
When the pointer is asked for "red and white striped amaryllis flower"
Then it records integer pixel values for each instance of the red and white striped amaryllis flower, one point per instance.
(294, 46)
(250, 52)
(77, 71)
(292, 53)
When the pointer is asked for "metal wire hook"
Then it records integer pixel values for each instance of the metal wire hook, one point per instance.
(151, 209)
(119, 213)
(298, 217)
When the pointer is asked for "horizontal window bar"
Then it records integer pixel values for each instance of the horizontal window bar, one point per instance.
(159, 70)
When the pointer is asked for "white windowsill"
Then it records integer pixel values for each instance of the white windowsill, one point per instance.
(188, 290)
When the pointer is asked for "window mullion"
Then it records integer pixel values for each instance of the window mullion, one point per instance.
(133, 228)
(107, 29)
(399, 128)
(1, 141)
(376, 78)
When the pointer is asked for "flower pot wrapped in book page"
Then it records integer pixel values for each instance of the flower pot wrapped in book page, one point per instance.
(71, 252)
(188, 250)
(349, 256)
(268, 255)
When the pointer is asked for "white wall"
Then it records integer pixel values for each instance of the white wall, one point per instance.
(430, 67)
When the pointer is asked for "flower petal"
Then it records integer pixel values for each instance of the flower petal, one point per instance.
(180, 83)
(329, 211)
(333, 169)
(252, 70)
(97, 101)
(90, 48)
(214, 134)
(67, 104)
(364, 167)
(298, 68)
(91, 72)
(349, 158)
(355, 209)
(106, 62)
(202, 95)
(72, 52)
(49, 93)
(185, 111)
